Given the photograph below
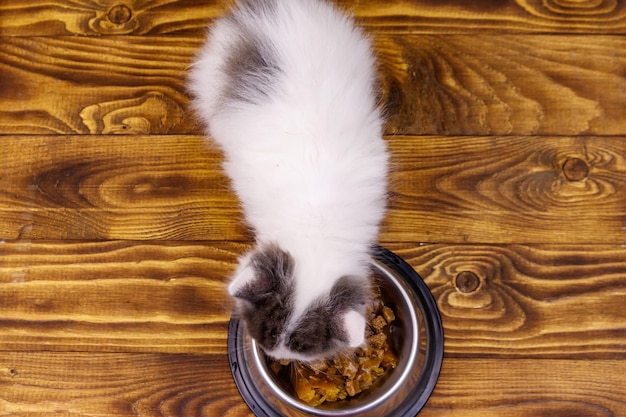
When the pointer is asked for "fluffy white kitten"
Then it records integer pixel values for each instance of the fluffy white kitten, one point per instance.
(287, 90)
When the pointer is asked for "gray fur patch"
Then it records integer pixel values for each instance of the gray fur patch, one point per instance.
(320, 329)
(258, 7)
(268, 299)
(252, 67)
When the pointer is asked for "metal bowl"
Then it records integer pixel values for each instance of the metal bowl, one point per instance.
(416, 337)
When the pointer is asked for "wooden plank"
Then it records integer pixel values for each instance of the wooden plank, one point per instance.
(88, 17)
(443, 189)
(86, 384)
(84, 17)
(201, 385)
(71, 85)
(507, 190)
(452, 85)
(521, 388)
(144, 187)
(115, 296)
(485, 85)
(522, 301)
(504, 16)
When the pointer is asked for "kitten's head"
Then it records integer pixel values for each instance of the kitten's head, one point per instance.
(264, 287)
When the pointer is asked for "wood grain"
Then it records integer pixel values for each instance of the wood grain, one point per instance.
(542, 301)
(443, 189)
(88, 17)
(76, 187)
(45, 384)
(504, 16)
(113, 85)
(42, 384)
(115, 296)
(452, 85)
(538, 388)
(118, 230)
(507, 190)
(485, 85)
(528, 301)
(84, 17)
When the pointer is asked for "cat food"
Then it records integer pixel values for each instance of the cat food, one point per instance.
(344, 376)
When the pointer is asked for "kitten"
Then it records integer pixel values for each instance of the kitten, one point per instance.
(287, 90)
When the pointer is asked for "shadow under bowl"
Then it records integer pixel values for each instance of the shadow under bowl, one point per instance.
(416, 337)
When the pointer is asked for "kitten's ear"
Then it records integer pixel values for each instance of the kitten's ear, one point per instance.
(263, 272)
(239, 286)
(354, 326)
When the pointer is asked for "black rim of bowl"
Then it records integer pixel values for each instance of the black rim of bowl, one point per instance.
(432, 363)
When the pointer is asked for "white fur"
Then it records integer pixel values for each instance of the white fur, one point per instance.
(354, 324)
(310, 165)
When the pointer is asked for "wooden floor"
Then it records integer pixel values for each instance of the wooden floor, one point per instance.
(508, 133)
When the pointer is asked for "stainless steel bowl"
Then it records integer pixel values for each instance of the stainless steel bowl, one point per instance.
(416, 336)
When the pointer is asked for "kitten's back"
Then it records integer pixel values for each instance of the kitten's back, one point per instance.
(287, 89)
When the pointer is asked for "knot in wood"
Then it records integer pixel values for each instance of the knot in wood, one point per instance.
(466, 282)
(119, 14)
(575, 169)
